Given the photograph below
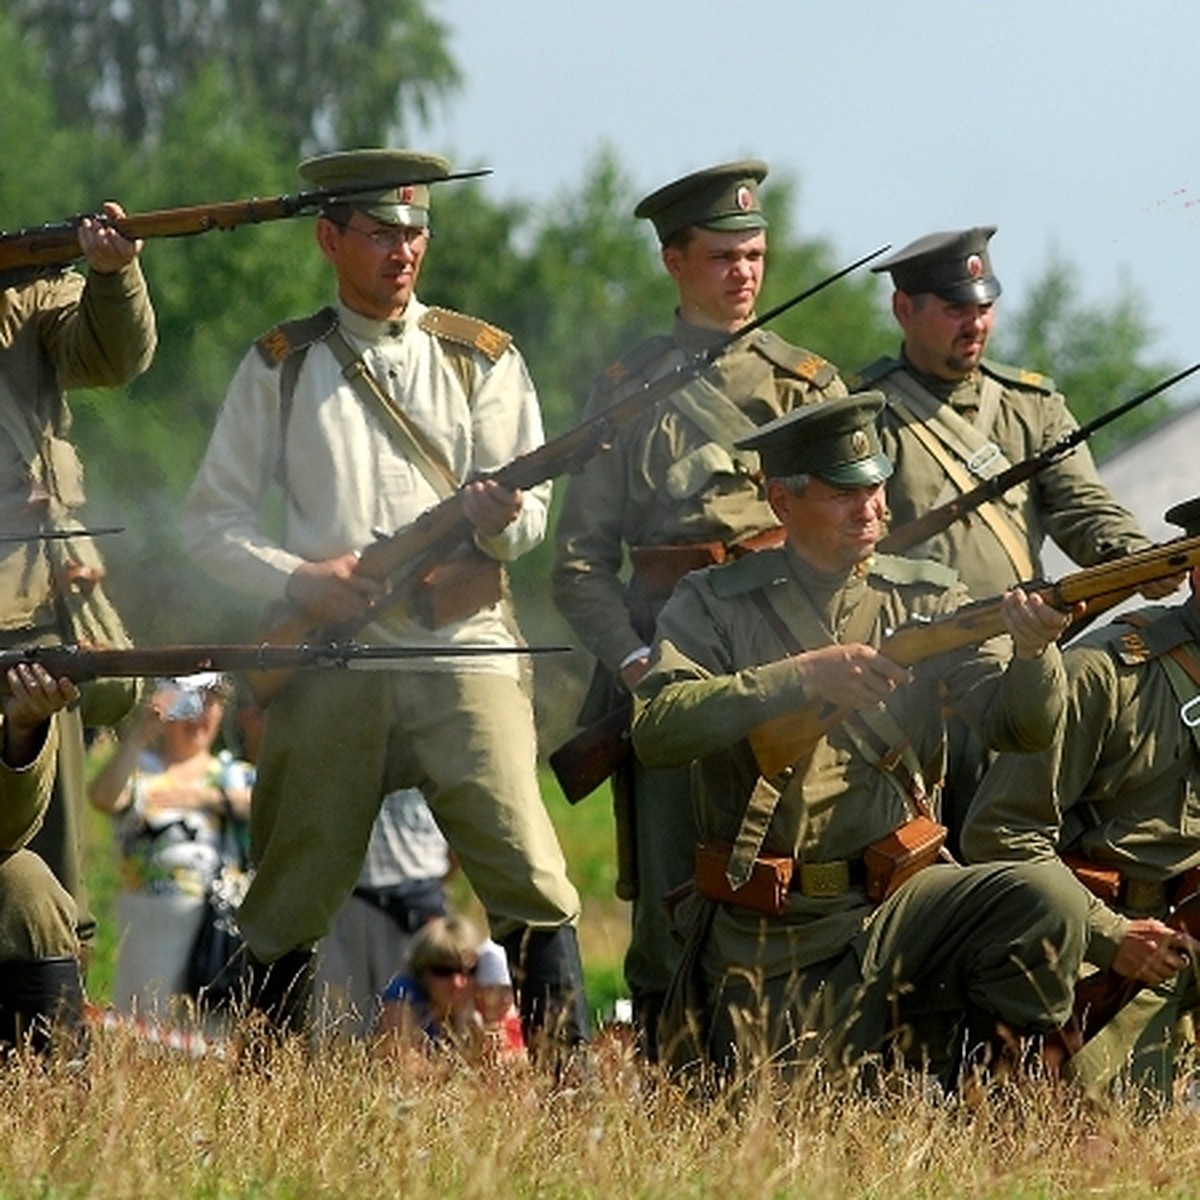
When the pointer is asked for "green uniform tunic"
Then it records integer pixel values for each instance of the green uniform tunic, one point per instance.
(1066, 502)
(1120, 787)
(55, 334)
(719, 670)
(671, 477)
(37, 916)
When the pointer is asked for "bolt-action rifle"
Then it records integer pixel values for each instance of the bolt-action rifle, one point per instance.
(39, 249)
(787, 739)
(958, 509)
(403, 558)
(81, 664)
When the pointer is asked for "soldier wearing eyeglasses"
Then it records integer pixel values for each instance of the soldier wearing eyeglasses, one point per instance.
(457, 402)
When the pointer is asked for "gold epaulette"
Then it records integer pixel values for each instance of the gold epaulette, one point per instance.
(1020, 376)
(284, 340)
(795, 360)
(466, 331)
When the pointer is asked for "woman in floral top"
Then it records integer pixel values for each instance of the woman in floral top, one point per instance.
(174, 799)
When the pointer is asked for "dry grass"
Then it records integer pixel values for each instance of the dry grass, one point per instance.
(146, 1121)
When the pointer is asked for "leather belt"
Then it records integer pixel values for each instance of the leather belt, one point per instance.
(827, 880)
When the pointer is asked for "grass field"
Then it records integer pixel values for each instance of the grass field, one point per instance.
(151, 1121)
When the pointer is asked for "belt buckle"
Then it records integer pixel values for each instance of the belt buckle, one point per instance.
(1145, 895)
(983, 458)
(824, 880)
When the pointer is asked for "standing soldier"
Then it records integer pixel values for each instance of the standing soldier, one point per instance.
(58, 332)
(1116, 797)
(954, 418)
(450, 399)
(674, 493)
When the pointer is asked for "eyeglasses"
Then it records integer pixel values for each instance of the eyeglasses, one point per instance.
(392, 237)
(443, 972)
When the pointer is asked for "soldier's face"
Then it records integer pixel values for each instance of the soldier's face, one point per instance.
(719, 275)
(831, 528)
(943, 338)
(376, 264)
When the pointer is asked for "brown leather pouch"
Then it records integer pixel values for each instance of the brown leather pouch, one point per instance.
(899, 856)
(766, 891)
(1102, 882)
(457, 588)
(657, 569)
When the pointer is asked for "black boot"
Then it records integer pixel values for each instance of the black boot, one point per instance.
(548, 977)
(276, 1003)
(647, 1010)
(41, 1006)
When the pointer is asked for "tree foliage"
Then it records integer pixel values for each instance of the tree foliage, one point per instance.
(1095, 353)
(326, 72)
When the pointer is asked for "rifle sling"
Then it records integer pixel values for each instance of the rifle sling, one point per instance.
(425, 456)
(944, 434)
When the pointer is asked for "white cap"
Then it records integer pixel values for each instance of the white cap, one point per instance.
(491, 967)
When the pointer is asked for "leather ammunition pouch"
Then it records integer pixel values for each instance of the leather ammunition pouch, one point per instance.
(766, 891)
(901, 854)
(657, 569)
(457, 588)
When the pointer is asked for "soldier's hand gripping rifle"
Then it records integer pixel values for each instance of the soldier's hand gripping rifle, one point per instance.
(787, 739)
(81, 664)
(936, 519)
(402, 559)
(40, 249)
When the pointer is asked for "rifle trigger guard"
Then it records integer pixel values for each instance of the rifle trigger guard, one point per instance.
(1189, 713)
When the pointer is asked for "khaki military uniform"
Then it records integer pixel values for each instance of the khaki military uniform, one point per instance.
(826, 973)
(996, 418)
(337, 742)
(1025, 415)
(673, 489)
(56, 334)
(37, 915)
(1120, 788)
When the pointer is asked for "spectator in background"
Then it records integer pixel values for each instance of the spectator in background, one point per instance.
(496, 1003)
(399, 889)
(173, 797)
(432, 1003)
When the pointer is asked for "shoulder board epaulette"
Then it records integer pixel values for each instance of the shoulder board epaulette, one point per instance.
(795, 360)
(1147, 634)
(284, 340)
(747, 574)
(896, 569)
(1019, 375)
(872, 373)
(466, 331)
(636, 362)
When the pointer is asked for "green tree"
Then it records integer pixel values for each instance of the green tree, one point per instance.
(329, 72)
(1097, 354)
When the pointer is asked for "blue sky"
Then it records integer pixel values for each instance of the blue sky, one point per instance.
(1072, 126)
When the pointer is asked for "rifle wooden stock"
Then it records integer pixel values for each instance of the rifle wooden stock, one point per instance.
(780, 742)
(402, 559)
(56, 244)
(81, 664)
(937, 519)
(582, 763)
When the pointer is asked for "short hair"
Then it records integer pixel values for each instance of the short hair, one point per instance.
(444, 942)
(796, 484)
(680, 239)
